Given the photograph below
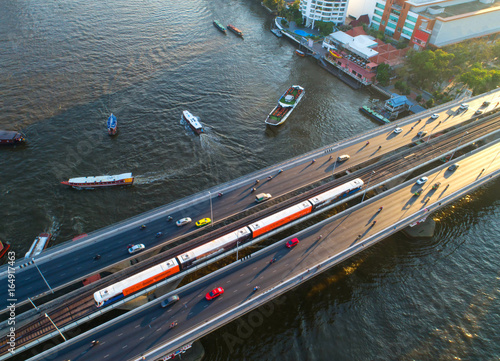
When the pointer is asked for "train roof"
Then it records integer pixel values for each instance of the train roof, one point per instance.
(213, 246)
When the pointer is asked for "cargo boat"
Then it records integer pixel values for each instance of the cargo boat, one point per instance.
(39, 244)
(112, 124)
(373, 114)
(193, 122)
(124, 179)
(235, 30)
(286, 105)
(219, 26)
(11, 137)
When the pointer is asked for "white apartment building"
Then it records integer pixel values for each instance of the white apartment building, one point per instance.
(323, 10)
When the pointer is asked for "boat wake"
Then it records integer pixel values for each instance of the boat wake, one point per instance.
(153, 177)
(211, 143)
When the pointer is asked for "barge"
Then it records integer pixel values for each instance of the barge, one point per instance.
(235, 30)
(373, 114)
(219, 26)
(286, 105)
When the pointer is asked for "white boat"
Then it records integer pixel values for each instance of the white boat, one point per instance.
(193, 122)
(123, 179)
(41, 242)
(286, 105)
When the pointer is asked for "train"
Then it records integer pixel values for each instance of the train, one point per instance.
(222, 244)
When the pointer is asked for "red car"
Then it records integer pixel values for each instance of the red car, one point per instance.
(292, 243)
(214, 293)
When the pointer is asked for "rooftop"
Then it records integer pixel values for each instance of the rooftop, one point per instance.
(460, 9)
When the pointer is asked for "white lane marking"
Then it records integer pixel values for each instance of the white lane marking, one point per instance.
(235, 291)
(242, 274)
(137, 326)
(142, 338)
(228, 281)
(120, 334)
(169, 310)
(205, 306)
(154, 318)
(106, 356)
(124, 347)
(158, 329)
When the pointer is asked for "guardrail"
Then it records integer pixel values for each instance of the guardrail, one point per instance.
(291, 282)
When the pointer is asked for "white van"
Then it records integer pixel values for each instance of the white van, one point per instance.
(343, 158)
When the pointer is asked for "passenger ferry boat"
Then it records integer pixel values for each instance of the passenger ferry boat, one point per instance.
(112, 124)
(124, 179)
(219, 26)
(286, 105)
(235, 30)
(193, 122)
(39, 244)
(11, 137)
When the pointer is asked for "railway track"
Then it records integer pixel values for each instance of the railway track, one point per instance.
(386, 168)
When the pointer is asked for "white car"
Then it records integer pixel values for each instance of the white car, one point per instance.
(422, 180)
(136, 248)
(183, 221)
(463, 106)
(478, 112)
(434, 116)
(398, 130)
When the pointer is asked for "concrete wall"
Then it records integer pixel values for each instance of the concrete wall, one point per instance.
(453, 30)
(357, 8)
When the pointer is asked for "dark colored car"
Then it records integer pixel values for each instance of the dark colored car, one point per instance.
(292, 243)
(170, 301)
(216, 292)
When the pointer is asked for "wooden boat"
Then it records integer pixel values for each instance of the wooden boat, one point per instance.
(8, 137)
(4, 248)
(39, 244)
(235, 30)
(124, 179)
(286, 105)
(112, 124)
(219, 26)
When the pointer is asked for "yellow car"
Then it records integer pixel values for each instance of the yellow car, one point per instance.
(203, 222)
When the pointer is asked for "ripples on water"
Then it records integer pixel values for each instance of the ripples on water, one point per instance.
(66, 65)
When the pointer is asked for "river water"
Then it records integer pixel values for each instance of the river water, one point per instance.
(66, 65)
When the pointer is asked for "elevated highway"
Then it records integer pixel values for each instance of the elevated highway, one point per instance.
(400, 165)
(72, 262)
(144, 332)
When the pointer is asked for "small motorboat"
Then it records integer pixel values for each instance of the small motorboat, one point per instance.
(112, 124)
(300, 52)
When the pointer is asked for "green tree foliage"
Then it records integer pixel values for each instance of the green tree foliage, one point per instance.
(481, 80)
(292, 13)
(428, 67)
(325, 28)
(383, 74)
(278, 5)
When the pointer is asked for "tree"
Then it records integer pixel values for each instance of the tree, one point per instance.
(383, 74)
(325, 28)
